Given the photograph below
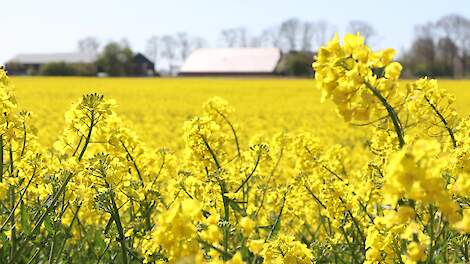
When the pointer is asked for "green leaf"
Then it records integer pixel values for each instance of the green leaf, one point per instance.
(236, 207)
(25, 220)
(3, 237)
(99, 241)
(48, 224)
(4, 245)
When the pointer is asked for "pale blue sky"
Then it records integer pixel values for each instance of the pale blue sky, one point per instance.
(56, 25)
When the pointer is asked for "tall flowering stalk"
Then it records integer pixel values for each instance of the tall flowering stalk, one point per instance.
(361, 83)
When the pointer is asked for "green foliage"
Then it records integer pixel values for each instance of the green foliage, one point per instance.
(85, 69)
(57, 69)
(66, 69)
(14, 68)
(116, 60)
(296, 63)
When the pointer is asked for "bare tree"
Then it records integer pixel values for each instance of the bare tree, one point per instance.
(198, 42)
(366, 30)
(152, 49)
(243, 36)
(426, 31)
(255, 41)
(172, 50)
(88, 45)
(169, 51)
(457, 29)
(271, 37)
(290, 31)
(447, 52)
(324, 31)
(308, 31)
(229, 37)
(424, 49)
(234, 37)
(184, 45)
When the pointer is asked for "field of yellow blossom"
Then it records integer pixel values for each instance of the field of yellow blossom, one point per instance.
(238, 171)
(157, 108)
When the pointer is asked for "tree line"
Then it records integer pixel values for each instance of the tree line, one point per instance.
(440, 48)
(296, 38)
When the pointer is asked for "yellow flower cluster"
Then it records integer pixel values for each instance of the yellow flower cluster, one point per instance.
(433, 109)
(415, 173)
(286, 250)
(175, 235)
(351, 74)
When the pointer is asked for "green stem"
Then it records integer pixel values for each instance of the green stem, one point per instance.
(12, 212)
(431, 235)
(13, 207)
(78, 146)
(351, 248)
(278, 218)
(251, 174)
(315, 197)
(391, 113)
(67, 233)
(274, 226)
(51, 252)
(221, 251)
(444, 121)
(226, 218)
(12, 223)
(223, 190)
(359, 230)
(51, 205)
(134, 163)
(356, 224)
(214, 157)
(465, 252)
(120, 229)
(1, 158)
(323, 165)
(103, 253)
(88, 137)
(24, 140)
(34, 256)
(233, 132)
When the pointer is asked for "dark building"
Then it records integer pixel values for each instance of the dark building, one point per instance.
(143, 66)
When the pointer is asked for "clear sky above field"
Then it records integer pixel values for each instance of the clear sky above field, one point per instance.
(56, 25)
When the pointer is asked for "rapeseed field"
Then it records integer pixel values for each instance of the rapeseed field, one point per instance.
(157, 108)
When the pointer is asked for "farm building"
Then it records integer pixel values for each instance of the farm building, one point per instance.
(143, 65)
(231, 61)
(30, 64)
